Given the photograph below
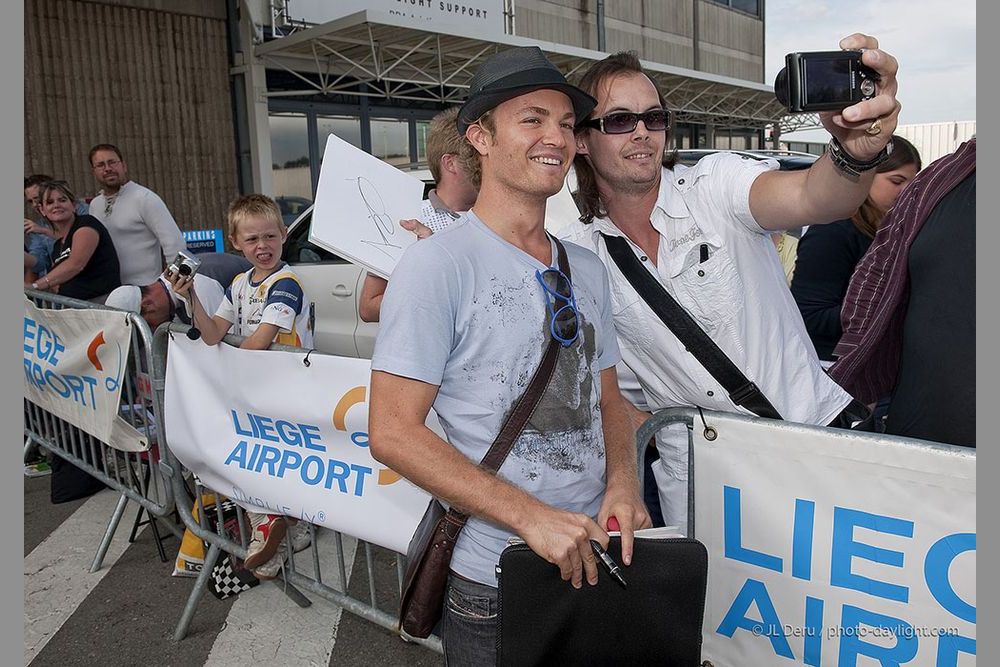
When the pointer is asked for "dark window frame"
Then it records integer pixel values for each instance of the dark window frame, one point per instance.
(364, 111)
(728, 4)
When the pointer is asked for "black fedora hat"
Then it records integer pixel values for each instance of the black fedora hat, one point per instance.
(508, 74)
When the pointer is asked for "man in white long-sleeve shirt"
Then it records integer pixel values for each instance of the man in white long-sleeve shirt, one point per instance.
(145, 235)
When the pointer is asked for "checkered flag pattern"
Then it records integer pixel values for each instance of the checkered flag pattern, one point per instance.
(227, 580)
(229, 577)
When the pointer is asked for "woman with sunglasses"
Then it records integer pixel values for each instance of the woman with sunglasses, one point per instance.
(85, 264)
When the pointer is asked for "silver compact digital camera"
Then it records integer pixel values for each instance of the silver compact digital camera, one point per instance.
(184, 265)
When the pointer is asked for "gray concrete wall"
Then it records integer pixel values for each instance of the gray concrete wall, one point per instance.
(731, 43)
(155, 83)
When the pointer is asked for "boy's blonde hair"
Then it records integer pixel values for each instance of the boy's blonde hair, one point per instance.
(253, 206)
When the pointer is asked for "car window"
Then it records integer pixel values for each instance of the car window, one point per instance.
(291, 207)
(298, 249)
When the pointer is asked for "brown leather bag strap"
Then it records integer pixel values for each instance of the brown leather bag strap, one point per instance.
(525, 405)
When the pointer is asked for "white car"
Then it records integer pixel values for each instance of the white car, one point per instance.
(334, 284)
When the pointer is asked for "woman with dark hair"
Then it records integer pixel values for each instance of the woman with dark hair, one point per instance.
(828, 253)
(85, 264)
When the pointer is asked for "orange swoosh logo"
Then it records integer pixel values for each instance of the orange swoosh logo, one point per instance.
(388, 476)
(347, 401)
(92, 350)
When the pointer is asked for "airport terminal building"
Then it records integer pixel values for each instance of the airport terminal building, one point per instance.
(210, 98)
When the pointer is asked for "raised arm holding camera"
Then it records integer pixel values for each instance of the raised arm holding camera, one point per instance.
(838, 182)
(266, 304)
(701, 237)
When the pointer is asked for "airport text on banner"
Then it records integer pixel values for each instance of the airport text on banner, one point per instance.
(276, 436)
(826, 549)
(74, 363)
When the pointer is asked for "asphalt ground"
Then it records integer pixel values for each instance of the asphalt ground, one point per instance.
(127, 612)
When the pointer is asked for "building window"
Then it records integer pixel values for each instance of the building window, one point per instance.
(391, 140)
(748, 6)
(347, 128)
(423, 129)
(290, 168)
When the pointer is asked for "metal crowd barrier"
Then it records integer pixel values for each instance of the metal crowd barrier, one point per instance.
(310, 579)
(134, 475)
(702, 419)
(293, 578)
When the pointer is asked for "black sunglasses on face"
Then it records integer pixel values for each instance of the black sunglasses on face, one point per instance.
(623, 122)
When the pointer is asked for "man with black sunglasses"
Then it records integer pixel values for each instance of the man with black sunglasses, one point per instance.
(466, 320)
(702, 233)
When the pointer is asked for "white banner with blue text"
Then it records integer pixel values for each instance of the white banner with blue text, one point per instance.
(278, 436)
(830, 548)
(74, 363)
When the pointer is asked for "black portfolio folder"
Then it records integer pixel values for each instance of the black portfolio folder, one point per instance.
(656, 620)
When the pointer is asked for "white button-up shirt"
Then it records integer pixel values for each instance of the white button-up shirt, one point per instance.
(722, 268)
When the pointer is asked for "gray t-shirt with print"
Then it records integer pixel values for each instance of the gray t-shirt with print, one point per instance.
(465, 311)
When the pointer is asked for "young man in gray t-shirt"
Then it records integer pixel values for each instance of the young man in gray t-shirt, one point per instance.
(465, 321)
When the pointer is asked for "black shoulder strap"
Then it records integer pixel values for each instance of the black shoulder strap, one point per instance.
(525, 405)
(741, 390)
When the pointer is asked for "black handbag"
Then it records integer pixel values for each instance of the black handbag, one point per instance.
(657, 620)
(428, 557)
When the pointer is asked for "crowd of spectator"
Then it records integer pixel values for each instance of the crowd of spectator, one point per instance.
(84, 250)
(871, 295)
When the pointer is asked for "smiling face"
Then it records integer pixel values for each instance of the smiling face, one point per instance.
(58, 208)
(531, 147)
(628, 162)
(260, 238)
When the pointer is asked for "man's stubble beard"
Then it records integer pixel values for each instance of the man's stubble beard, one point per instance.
(622, 184)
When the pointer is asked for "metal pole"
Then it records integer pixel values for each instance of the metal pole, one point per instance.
(196, 592)
(601, 37)
(696, 61)
(109, 534)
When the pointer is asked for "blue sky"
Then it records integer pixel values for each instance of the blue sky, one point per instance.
(934, 42)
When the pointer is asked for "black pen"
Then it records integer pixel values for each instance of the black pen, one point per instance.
(613, 568)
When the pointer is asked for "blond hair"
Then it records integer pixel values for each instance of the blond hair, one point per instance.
(443, 139)
(252, 206)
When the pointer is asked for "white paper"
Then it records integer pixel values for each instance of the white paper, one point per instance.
(359, 202)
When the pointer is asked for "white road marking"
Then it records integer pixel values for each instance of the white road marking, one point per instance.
(264, 626)
(57, 574)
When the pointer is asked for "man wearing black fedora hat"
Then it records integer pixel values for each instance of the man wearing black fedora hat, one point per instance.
(481, 302)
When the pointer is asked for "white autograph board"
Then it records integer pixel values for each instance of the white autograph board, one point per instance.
(359, 202)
